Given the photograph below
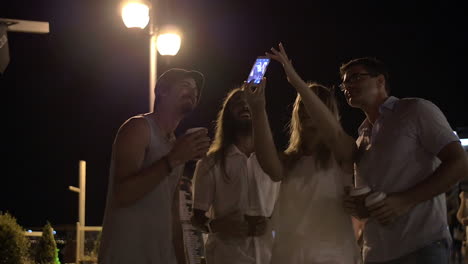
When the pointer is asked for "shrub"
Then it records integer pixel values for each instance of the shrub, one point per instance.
(14, 245)
(46, 251)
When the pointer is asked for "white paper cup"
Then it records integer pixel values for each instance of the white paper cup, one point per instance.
(374, 198)
(358, 191)
(193, 130)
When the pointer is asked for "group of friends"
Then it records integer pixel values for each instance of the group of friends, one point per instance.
(260, 205)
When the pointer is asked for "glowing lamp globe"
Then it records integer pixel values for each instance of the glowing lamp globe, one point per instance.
(135, 15)
(168, 43)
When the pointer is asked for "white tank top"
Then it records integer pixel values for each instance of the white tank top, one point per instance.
(142, 232)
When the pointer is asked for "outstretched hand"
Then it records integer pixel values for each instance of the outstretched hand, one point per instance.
(255, 94)
(282, 57)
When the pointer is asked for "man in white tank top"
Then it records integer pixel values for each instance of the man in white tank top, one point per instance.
(237, 193)
(146, 165)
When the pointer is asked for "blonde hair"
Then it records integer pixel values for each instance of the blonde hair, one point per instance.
(295, 148)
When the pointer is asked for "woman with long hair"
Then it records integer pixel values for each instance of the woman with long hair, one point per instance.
(311, 224)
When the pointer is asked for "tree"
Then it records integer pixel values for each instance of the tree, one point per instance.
(14, 245)
(46, 250)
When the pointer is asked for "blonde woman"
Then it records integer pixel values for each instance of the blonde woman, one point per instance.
(312, 226)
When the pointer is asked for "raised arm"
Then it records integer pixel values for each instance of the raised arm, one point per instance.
(342, 144)
(265, 149)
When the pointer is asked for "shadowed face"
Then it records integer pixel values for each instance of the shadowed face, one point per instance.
(359, 86)
(306, 121)
(239, 110)
(184, 95)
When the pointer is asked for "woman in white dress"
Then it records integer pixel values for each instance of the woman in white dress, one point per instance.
(311, 224)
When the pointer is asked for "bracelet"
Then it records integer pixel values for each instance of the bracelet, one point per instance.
(168, 164)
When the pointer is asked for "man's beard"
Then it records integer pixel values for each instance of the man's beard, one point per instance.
(243, 126)
(186, 108)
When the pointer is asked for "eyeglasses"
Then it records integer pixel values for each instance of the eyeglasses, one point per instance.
(352, 79)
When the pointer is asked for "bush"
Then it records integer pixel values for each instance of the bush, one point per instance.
(14, 245)
(46, 251)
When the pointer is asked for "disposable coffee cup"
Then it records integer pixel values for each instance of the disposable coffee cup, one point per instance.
(193, 130)
(360, 191)
(359, 195)
(374, 198)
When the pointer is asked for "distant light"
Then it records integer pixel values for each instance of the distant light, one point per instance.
(464, 142)
(54, 232)
(135, 15)
(168, 43)
(29, 231)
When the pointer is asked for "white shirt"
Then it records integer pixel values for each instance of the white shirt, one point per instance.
(246, 188)
(242, 188)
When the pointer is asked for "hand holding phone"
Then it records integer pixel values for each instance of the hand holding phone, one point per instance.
(258, 70)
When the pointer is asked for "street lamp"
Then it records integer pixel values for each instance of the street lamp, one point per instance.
(166, 39)
(135, 15)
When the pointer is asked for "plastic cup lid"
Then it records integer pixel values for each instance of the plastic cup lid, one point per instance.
(359, 191)
(375, 198)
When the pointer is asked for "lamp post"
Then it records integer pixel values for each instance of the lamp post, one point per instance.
(166, 39)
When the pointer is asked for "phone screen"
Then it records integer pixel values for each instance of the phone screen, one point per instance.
(258, 70)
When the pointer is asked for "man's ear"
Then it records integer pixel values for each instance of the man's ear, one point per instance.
(381, 81)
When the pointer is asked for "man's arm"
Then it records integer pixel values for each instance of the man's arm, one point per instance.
(132, 182)
(436, 137)
(453, 168)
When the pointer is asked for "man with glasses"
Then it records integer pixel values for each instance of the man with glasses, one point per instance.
(407, 150)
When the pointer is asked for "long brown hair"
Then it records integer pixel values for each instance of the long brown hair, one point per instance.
(295, 150)
(225, 132)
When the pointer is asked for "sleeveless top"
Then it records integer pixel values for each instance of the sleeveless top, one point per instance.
(142, 232)
(311, 224)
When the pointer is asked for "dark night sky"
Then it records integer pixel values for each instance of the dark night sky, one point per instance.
(66, 93)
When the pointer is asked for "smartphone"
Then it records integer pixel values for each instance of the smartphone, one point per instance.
(258, 69)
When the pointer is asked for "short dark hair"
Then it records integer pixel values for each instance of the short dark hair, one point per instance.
(371, 64)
